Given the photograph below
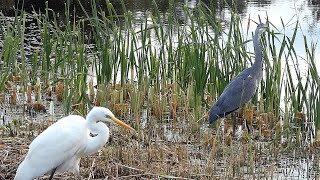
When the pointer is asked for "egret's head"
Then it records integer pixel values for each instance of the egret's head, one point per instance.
(104, 114)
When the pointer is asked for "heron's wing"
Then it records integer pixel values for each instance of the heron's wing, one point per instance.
(239, 91)
(58, 143)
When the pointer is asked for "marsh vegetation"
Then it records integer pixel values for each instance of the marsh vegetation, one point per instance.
(160, 75)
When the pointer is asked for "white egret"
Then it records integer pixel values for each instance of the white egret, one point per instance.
(60, 147)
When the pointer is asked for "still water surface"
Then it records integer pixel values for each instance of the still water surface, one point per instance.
(279, 13)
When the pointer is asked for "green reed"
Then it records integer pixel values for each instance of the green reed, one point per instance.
(314, 96)
(197, 54)
(311, 95)
(272, 86)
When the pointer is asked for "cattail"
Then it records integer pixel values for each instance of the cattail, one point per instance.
(117, 87)
(99, 96)
(16, 78)
(13, 98)
(59, 91)
(228, 139)
(173, 106)
(121, 109)
(300, 115)
(9, 84)
(127, 91)
(29, 92)
(49, 91)
(249, 115)
(1, 98)
(279, 127)
(39, 107)
(37, 89)
(91, 91)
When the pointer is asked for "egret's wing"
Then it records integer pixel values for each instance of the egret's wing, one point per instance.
(239, 91)
(60, 142)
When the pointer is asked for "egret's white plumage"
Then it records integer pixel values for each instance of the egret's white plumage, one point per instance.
(60, 147)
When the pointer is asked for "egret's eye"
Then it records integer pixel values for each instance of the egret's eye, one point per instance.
(107, 116)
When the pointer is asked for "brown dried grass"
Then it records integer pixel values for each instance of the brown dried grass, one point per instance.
(173, 148)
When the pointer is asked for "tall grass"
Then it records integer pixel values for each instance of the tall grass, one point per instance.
(199, 55)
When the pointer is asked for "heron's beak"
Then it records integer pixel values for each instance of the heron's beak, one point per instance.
(122, 123)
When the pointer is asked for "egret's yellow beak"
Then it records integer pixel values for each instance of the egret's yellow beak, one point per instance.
(122, 123)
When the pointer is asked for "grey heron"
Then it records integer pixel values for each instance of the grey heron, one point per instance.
(242, 88)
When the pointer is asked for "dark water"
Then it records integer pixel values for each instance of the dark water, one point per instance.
(307, 12)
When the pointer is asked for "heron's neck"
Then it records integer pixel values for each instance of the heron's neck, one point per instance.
(100, 136)
(257, 51)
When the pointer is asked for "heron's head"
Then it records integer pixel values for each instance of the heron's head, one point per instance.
(261, 28)
(104, 114)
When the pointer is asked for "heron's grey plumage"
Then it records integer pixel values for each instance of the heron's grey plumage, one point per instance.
(242, 88)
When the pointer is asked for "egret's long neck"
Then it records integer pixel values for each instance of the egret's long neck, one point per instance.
(100, 134)
(257, 51)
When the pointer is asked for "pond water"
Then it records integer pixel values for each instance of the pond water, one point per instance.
(307, 12)
(279, 12)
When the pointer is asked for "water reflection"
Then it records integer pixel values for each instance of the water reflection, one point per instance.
(315, 9)
(138, 7)
(314, 6)
(307, 12)
(7, 6)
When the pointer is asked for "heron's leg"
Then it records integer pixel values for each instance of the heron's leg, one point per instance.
(247, 124)
(78, 175)
(52, 173)
(77, 170)
(234, 117)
